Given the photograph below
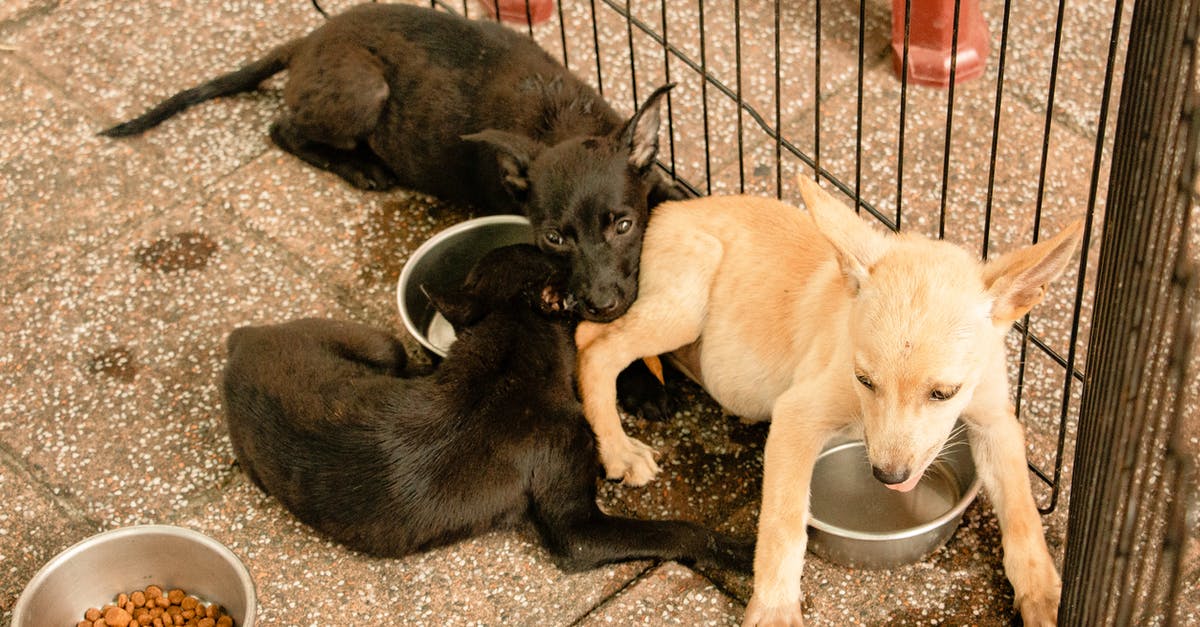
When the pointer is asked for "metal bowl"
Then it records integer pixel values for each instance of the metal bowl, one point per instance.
(442, 263)
(94, 571)
(856, 521)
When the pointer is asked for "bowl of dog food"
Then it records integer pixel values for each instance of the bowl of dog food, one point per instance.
(441, 264)
(856, 521)
(142, 575)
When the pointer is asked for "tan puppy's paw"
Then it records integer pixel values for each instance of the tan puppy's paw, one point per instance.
(1036, 586)
(1040, 610)
(628, 459)
(757, 615)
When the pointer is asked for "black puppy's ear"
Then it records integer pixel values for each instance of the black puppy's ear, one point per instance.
(514, 153)
(459, 308)
(640, 134)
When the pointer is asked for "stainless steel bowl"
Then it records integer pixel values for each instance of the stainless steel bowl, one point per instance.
(94, 571)
(857, 521)
(442, 263)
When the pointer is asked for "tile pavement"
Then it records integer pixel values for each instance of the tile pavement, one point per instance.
(125, 263)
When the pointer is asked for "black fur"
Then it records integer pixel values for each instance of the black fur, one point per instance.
(322, 417)
(474, 113)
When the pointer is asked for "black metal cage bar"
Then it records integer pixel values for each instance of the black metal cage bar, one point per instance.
(1133, 480)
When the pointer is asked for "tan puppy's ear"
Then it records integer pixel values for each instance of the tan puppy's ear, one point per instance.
(857, 245)
(1017, 280)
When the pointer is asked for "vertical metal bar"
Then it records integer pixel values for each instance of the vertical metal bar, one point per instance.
(1161, 185)
(666, 44)
(1041, 190)
(496, 4)
(1146, 299)
(529, 19)
(1112, 431)
(704, 104)
(949, 119)
(1081, 280)
(903, 106)
(778, 112)
(858, 132)
(987, 215)
(1131, 194)
(596, 44)
(1177, 456)
(632, 55)
(737, 55)
(817, 90)
(562, 32)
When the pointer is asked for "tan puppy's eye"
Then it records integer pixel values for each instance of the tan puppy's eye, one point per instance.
(864, 380)
(943, 394)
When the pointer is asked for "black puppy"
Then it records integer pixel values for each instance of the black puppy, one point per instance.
(322, 418)
(474, 113)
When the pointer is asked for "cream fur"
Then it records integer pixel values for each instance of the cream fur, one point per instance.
(778, 312)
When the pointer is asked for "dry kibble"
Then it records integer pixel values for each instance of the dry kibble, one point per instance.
(151, 606)
(117, 617)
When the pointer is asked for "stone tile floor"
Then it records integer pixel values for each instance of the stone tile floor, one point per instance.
(125, 263)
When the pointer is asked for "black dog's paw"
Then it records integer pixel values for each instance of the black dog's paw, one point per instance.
(370, 177)
(641, 393)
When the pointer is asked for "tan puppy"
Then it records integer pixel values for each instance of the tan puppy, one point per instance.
(820, 323)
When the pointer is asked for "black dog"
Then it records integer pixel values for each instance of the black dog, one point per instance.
(474, 113)
(322, 418)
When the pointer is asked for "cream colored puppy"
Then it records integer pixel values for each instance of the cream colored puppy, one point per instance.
(820, 323)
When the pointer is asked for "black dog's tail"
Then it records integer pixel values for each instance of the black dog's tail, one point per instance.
(243, 79)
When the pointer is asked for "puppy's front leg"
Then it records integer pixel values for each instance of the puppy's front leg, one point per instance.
(600, 362)
(998, 446)
(668, 313)
(793, 444)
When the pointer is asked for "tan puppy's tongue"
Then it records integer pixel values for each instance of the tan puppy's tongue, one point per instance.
(907, 485)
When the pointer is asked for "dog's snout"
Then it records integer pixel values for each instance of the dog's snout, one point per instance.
(603, 308)
(890, 477)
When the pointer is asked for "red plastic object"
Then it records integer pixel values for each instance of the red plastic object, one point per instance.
(514, 10)
(930, 37)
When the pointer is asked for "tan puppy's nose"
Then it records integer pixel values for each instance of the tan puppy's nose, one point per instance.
(890, 476)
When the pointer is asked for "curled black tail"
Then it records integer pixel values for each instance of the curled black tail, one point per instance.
(243, 79)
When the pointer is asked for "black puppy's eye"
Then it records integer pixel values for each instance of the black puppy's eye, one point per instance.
(864, 380)
(554, 238)
(623, 226)
(943, 394)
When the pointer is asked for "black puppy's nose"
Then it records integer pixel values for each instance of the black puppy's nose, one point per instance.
(603, 308)
(890, 477)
